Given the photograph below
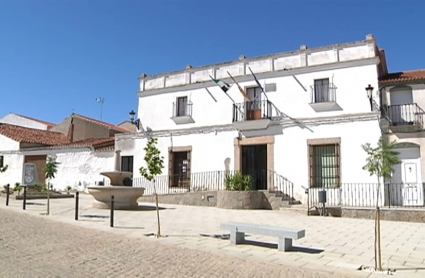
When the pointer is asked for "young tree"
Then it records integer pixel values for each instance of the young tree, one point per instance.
(50, 170)
(154, 165)
(380, 162)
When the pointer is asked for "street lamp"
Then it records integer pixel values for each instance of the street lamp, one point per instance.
(134, 122)
(369, 91)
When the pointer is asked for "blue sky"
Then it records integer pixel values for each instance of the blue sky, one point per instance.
(58, 56)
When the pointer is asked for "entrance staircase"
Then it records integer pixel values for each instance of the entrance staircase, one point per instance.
(280, 193)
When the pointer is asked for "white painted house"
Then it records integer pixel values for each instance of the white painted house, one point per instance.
(19, 120)
(84, 147)
(308, 126)
(403, 97)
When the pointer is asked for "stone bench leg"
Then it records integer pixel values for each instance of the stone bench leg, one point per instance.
(284, 244)
(237, 237)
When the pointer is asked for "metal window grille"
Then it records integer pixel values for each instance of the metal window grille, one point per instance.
(324, 165)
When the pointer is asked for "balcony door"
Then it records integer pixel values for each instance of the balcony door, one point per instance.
(321, 90)
(402, 110)
(253, 108)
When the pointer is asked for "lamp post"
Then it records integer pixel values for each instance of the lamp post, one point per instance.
(134, 122)
(369, 91)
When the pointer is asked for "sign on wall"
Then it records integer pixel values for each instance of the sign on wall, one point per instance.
(30, 175)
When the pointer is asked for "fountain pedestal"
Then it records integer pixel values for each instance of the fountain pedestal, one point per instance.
(125, 197)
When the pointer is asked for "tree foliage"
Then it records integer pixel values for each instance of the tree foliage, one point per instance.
(154, 161)
(51, 168)
(381, 159)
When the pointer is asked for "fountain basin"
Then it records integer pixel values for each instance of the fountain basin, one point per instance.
(117, 177)
(125, 197)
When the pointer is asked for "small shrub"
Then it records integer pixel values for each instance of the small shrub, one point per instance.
(18, 188)
(5, 190)
(68, 188)
(238, 182)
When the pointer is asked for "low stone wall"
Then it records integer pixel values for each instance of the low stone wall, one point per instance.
(200, 198)
(394, 214)
(240, 199)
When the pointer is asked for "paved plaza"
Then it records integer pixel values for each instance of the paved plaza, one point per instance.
(35, 245)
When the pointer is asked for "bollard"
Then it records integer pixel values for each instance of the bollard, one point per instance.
(112, 211)
(7, 194)
(24, 203)
(76, 204)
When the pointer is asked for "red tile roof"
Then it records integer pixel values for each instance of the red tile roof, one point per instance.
(97, 143)
(33, 136)
(114, 127)
(400, 77)
(49, 138)
(49, 125)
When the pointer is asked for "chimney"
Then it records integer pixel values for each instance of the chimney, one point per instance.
(189, 67)
(370, 37)
(117, 160)
(303, 47)
(71, 131)
(242, 57)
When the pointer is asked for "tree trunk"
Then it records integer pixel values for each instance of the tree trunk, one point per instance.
(158, 235)
(378, 265)
(48, 199)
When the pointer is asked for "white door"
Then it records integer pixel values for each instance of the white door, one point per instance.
(402, 110)
(407, 189)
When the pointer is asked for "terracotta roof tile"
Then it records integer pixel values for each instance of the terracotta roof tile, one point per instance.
(33, 136)
(96, 142)
(406, 76)
(114, 127)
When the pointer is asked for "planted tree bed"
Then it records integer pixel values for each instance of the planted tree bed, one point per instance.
(35, 193)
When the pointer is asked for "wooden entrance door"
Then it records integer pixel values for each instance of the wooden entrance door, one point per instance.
(180, 169)
(40, 162)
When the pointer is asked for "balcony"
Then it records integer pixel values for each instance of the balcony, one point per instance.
(252, 115)
(182, 111)
(405, 117)
(323, 97)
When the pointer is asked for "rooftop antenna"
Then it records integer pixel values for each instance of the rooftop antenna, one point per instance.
(100, 100)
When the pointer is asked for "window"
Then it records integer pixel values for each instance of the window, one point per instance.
(321, 90)
(127, 164)
(254, 93)
(181, 106)
(1, 161)
(324, 165)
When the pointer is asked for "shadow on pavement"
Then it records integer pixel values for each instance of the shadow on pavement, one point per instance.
(124, 227)
(95, 216)
(34, 204)
(150, 208)
(410, 268)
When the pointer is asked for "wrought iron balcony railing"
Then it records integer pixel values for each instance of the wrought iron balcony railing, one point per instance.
(252, 110)
(406, 114)
(323, 93)
(182, 109)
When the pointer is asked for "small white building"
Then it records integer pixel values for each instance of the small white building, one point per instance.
(403, 98)
(19, 120)
(84, 147)
(308, 125)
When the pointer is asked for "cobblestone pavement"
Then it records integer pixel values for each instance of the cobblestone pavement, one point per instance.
(32, 246)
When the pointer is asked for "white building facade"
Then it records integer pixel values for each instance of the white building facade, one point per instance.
(308, 126)
(403, 98)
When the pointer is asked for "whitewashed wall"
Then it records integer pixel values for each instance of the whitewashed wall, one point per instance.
(14, 119)
(155, 111)
(77, 168)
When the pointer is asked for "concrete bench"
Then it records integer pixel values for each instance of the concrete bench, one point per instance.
(285, 235)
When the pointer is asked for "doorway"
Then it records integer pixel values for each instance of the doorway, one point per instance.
(180, 169)
(254, 164)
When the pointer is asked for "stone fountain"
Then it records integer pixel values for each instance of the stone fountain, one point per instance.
(125, 197)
